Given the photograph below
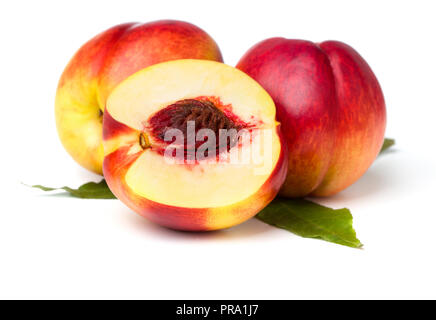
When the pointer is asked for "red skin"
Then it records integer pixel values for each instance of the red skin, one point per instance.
(90, 58)
(143, 45)
(117, 163)
(330, 106)
(120, 51)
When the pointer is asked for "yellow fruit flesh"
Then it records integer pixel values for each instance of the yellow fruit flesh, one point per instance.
(203, 184)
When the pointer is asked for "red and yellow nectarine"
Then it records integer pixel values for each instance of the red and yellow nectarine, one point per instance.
(330, 106)
(208, 191)
(105, 61)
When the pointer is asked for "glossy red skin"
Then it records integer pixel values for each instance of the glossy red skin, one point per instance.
(330, 106)
(117, 163)
(122, 50)
(144, 44)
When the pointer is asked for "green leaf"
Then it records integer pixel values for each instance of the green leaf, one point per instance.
(310, 220)
(387, 144)
(90, 190)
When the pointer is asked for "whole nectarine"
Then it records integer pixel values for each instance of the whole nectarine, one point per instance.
(103, 62)
(330, 106)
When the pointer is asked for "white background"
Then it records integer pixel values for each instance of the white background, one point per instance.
(62, 247)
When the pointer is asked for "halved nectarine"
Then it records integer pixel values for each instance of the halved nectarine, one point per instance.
(193, 145)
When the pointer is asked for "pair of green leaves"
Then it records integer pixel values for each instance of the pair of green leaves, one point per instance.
(299, 216)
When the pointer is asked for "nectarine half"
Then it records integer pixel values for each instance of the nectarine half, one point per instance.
(192, 145)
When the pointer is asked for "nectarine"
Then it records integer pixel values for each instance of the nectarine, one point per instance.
(168, 152)
(330, 106)
(103, 62)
